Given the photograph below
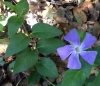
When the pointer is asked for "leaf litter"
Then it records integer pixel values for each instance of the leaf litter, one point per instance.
(63, 14)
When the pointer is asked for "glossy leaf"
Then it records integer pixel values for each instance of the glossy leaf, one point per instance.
(59, 84)
(47, 68)
(25, 60)
(17, 43)
(97, 61)
(86, 67)
(79, 15)
(97, 80)
(47, 46)
(1, 27)
(22, 7)
(1, 61)
(73, 78)
(14, 24)
(10, 5)
(89, 81)
(34, 78)
(42, 30)
(81, 35)
(89, 84)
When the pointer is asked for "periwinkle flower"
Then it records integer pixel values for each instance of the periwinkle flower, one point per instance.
(72, 51)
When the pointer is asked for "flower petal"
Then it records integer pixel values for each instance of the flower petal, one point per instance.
(88, 41)
(65, 51)
(73, 61)
(89, 56)
(73, 37)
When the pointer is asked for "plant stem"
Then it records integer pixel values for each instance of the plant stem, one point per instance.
(25, 29)
(49, 81)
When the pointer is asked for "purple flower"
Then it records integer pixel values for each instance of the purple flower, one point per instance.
(72, 51)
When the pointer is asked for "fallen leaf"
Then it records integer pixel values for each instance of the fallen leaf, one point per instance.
(94, 28)
(2, 6)
(75, 24)
(91, 9)
(48, 12)
(97, 5)
(97, 43)
(33, 6)
(80, 16)
(68, 13)
(60, 20)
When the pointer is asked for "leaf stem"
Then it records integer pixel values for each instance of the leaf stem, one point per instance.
(49, 81)
(25, 29)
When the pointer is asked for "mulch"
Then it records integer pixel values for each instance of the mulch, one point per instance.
(63, 14)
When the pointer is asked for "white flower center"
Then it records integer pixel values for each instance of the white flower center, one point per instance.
(77, 49)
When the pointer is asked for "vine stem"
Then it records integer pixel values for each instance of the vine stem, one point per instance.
(49, 81)
(25, 29)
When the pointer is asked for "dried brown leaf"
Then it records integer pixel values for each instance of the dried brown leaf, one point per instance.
(82, 16)
(94, 28)
(95, 71)
(2, 6)
(33, 6)
(91, 9)
(83, 28)
(97, 43)
(90, 22)
(75, 24)
(48, 12)
(64, 27)
(97, 4)
(68, 13)
(60, 20)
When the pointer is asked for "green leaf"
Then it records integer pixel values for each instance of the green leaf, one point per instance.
(11, 65)
(42, 30)
(78, 19)
(86, 67)
(47, 46)
(82, 35)
(1, 27)
(90, 80)
(59, 84)
(87, 84)
(34, 78)
(17, 43)
(25, 60)
(22, 7)
(97, 61)
(10, 5)
(4, 40)
(1, 61)
(2, 19)
(47, 68)
(14, 24)
(73, 78)
(97, 80)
